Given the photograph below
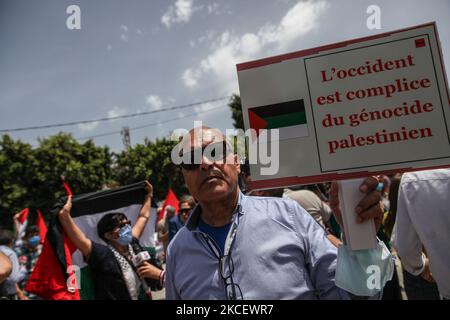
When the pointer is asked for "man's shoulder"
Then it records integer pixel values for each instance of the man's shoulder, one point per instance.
(269, 202)
(182, 238)
(280, 209)
(6, 250)
(271, 212)
(175, 220)
(437, 174)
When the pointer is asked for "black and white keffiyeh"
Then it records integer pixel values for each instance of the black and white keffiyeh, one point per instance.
(130, 277)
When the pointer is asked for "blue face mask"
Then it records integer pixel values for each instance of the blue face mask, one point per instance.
(364, 272)
(34, 241)
(125, 235)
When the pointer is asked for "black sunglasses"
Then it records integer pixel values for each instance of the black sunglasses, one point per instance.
(217, 151)
(226, 266)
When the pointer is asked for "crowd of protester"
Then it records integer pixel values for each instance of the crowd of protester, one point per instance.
(414, 228)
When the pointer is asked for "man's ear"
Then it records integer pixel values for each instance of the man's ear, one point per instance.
(237, 162)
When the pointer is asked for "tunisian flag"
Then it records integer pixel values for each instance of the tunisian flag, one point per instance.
(172, 200)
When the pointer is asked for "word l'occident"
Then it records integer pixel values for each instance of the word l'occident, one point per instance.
(378, 66)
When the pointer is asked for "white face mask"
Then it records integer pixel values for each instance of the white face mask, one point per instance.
(364, 272)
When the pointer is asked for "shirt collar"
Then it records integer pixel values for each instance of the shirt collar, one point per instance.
(192, 222)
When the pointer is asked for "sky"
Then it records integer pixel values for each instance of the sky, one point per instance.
(144, 56)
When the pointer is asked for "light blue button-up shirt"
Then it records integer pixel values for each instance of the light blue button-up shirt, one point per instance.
(278, 250)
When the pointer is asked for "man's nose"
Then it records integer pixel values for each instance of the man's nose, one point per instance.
(206, 163)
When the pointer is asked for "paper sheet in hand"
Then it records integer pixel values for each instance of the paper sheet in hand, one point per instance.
(358, 236)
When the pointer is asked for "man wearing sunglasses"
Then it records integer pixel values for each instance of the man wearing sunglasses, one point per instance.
(186, 205)
(242, 247)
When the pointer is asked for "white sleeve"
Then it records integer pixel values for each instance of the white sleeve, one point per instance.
(407, 242)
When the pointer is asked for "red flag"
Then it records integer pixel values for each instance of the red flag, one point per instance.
(47, 279)
(23, 215)
(172, 200)
(68, 191)
(21, 222)
(41, 225)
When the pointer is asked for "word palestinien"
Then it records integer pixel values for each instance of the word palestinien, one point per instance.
(379, 137)
(367, 68)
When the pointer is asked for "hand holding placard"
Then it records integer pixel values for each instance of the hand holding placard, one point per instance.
(356, 212)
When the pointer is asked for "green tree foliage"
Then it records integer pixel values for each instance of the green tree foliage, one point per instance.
(151, 161)
(236, 111)
(31, 177)
(17, 174)
(86, 167)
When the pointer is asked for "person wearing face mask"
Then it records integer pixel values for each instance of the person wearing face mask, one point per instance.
(113, 272)
(28, 254)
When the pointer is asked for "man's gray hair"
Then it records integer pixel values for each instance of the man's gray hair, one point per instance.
(170, 209)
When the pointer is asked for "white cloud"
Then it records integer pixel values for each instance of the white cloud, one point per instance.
(124, 33)
(204, 107)
(217, 9)
(230, 49)
(155, 30)
(112, 113)
(88, 126)
(109, 47)
(116, 112)
(181, 11)
(171, 100)
(139, 32)
(213, 8)
(154, 102)
(209, 35)
(190, 77)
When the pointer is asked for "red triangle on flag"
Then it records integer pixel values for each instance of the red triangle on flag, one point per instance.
(256, 122)
(172, 200)
(23, 215)
(41, 225)
(47, 279)
(66, 186)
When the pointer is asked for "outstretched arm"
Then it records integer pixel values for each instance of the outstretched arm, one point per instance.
(74, 233)
(144, 214)
(17, 225)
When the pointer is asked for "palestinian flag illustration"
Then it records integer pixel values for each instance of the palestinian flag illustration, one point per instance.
(289, 117)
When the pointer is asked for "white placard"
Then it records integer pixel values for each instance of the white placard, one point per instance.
(365, 106)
